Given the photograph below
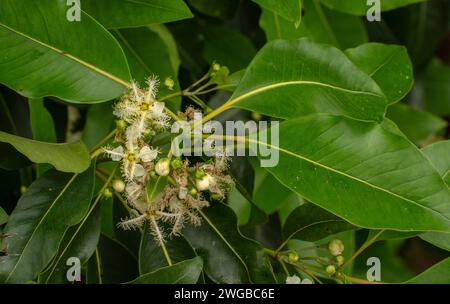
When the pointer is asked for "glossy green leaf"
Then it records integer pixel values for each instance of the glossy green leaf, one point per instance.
(37, 226)
(185, 272)
(99, 122)
(290, 10)
(148, 54)
(365, 173)
(115, 262)
(72, 157)
(42, 127)
(388, 65)
(151, 256)
(437, 274)
(437, 88)
(360, 7)
(134, 13)
(80, 241)
(319, 23)
(419, 27)
(219, 242)
(439, 155)
(220, 46)
(45, 54)
(292, 78)
(3, 216)
(418, 126)
(311, 223)
(215, 8)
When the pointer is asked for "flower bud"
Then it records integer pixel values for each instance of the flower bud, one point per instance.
(23, 189)
(182, 193)
(216, 67)
(121, 124)
(293, 257)
(340, 260)
(193, 192)
(200, 173)
(336, 247)
(118, 185)
(204, 183)
(177, 163)
(162, 167)
(331, 270)
(293, 280)
(107, 193)
(169, 83)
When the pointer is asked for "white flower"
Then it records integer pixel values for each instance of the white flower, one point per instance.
(162, 167)
(130, 159)
(307, 281)
(133, 191)
(293, 280)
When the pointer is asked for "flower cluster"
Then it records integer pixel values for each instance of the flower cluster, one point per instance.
(142, 116)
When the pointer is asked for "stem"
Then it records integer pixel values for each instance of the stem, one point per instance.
(160, 239)
(363, 247)
(181, 93)
(284, 267)
(104, 140)
(99, 269)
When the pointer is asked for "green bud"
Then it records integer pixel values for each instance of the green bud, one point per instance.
(23, 189)
(193, 192)
(169, 83)
(216, 67)
(107, 193)
(216, 197)
(121, 124)
(340, 260)
(331, 270)
(293, 257)
(200, 173)
(177, 163)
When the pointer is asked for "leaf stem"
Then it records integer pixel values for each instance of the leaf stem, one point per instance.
(363, 247)
(160, 239)
(103, 141)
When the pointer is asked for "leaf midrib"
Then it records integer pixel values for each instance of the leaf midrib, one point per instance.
(245, 139)
(210, 223)
(39, 224)
(69, 56)
(295, 82)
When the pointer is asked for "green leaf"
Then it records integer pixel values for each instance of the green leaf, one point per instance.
(3, 216)
(115, 262)
(52, 204)
(418, 126)
(80, 241)
(71, 157)
(45, 54)
(437, 274)
(219, 242)
(437, 88)
(42, 126)
(319, 24)
(311, 223)
(388, 65)
(151, 257)
(290, 10)
(360, 7)
(148, 54)
(134, 13)
(99, 122)
(215, 8)
(186, 272)
(292, 78)
(220, 46)
(365, 173)
(439, 156)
